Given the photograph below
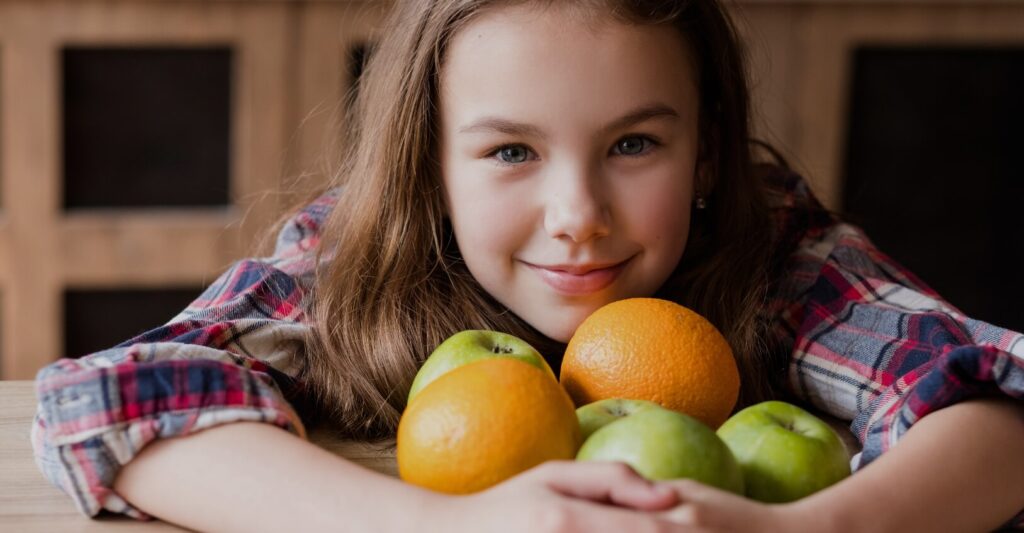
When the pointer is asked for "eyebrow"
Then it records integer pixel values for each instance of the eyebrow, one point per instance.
(508, 127)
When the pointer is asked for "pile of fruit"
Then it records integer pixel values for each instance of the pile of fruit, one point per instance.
(655, 384)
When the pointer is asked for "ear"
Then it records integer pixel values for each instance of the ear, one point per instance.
(705, 174)
(702, 169)
(701, 178)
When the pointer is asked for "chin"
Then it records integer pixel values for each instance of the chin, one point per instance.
(558, 320)
(556, 333)
(560, 327)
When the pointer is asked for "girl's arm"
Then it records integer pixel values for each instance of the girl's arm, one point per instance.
(871, 343)
(233, 355)
(256, 477)
(957, 469)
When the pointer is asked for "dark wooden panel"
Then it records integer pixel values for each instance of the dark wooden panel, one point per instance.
(98, 319)
(146, 127)
(933, 173)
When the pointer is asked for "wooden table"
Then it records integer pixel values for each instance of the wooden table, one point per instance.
(29, 503)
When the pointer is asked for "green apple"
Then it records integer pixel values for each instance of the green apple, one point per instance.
(473, 345)
(785, 452)
(663, 444)
(596, 415)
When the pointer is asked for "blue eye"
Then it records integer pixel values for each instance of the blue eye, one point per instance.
(634, 145)
(510, 154)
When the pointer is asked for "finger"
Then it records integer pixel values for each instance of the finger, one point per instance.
(607, 482)
(593, 517)
(690, 490)
(706, 506)
(714, 518)
(685, 513)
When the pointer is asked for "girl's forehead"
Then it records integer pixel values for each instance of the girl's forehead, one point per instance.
(542, 31)
(524, 54)
(557, 18)
(539, 12)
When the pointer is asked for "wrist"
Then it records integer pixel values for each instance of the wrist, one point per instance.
(429, 512)
(815, 515)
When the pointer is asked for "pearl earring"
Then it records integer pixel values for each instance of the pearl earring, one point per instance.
(700, 203)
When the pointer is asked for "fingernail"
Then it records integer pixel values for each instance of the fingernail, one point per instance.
(665, 496)
(662, 490)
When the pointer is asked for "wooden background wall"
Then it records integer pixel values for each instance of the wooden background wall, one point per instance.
(289, 74)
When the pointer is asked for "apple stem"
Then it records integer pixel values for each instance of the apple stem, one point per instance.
(789, 425)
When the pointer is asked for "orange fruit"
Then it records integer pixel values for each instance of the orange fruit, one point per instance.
(655, 350)
(482, 423)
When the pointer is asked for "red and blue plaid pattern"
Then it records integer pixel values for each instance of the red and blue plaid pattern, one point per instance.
(867, 341)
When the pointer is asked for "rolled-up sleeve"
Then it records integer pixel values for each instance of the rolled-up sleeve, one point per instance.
(235, 354)
(874, 345)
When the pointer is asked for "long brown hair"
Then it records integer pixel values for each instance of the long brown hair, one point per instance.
(393, 284)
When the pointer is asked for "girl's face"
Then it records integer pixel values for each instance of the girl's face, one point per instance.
(568, 157)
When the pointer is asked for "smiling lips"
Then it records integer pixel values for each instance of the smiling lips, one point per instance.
(580, 279)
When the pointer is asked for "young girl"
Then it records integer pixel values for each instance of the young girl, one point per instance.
(514, 166)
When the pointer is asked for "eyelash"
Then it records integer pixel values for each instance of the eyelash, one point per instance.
(653, 145)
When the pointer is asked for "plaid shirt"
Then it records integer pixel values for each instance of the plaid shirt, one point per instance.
(867, 341)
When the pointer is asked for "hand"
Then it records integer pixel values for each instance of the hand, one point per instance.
(564, 496)
(705, 508)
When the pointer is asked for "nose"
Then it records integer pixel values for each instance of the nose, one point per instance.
(576, 208)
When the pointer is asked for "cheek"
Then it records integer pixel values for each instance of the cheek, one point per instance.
(489, 227)
(666, 225)
(660, 218)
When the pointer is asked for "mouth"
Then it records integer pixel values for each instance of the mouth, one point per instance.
(575, 281)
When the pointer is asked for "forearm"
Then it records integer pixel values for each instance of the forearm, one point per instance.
(256, 477)
(957, 469)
